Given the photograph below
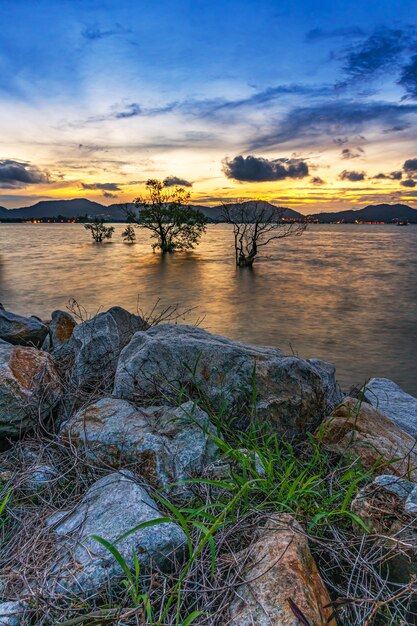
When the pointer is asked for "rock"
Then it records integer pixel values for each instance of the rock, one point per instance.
(388, 507)
(29, 388)
(113, 506)
(61, 328)
(95, 346)
(23, 331)
(167, 444)
(11, 613)
(225, 467)
(281, 568)
(395, 403)
(292, 393)
(357, 429)
(41, 478)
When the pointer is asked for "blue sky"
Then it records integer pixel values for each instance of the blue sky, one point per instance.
(312, 105)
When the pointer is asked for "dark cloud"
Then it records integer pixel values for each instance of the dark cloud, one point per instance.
(349, 153)
(352, 175)
(379, 52)
(258, 169)
(396, 129)
(408, 78)
(316, 180)
(17, 174)
(171, 181)
(324, 119)
(102, 186)
(131, 110)
(397, 175)
(347, 32)
(410, 166)
(107, 194)
(409, 182)
(95, 33)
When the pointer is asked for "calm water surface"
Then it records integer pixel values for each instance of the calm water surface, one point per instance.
(347, 294)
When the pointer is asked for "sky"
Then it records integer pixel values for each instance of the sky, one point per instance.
(307, 104)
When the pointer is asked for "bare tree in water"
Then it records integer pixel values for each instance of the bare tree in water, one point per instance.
(255, 224)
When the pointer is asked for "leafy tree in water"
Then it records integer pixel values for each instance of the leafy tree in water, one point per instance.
(129, 234)
(99, 231)
(255, 225)
(173, 224)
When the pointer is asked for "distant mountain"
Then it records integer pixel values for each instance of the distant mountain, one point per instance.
(217, 211)
(117, 212)
(53, 208)
(371, 213)
(81, 206)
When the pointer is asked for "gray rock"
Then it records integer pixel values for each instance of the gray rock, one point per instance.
(61, 327)
(42, 476)
(11, 613)
(95, 345)
(292, 393)
(395, 403)
(29, 388)
(388, 507)
(23, 331)
(167, 444)
(113, 506)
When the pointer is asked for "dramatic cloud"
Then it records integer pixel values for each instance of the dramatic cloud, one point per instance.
(102, 186)
(316, 180)
(377, 53)
(397, 175)
(352, 176)
(172, 181)
(318, 34)
(107, 194)
(410, 167)
(409, 182)
(323, 119)
(17, 174)
(258, 169)
(349, 153)
(408, 77)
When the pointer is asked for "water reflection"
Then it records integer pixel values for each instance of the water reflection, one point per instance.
(344, 293)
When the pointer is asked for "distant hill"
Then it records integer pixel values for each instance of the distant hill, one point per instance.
(371, 213)
(82, 206)
(117, 212)
(66, 208)
(287, 213)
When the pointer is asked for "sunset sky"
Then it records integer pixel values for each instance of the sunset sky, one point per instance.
(311, 105)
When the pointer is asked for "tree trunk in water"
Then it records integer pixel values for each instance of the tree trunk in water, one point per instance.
(245, 261)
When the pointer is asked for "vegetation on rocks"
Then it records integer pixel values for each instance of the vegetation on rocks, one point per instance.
(181, 478)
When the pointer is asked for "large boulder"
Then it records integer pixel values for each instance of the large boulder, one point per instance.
(280, 579)
(23, 331)
(357, 429)
(113, 506)
(61, 327)
(92, 351)
(165, 443)
(395, 403)
(290, 392)
(388, 508)
(29, 388)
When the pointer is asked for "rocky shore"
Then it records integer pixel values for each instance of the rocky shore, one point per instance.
(160, 474)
